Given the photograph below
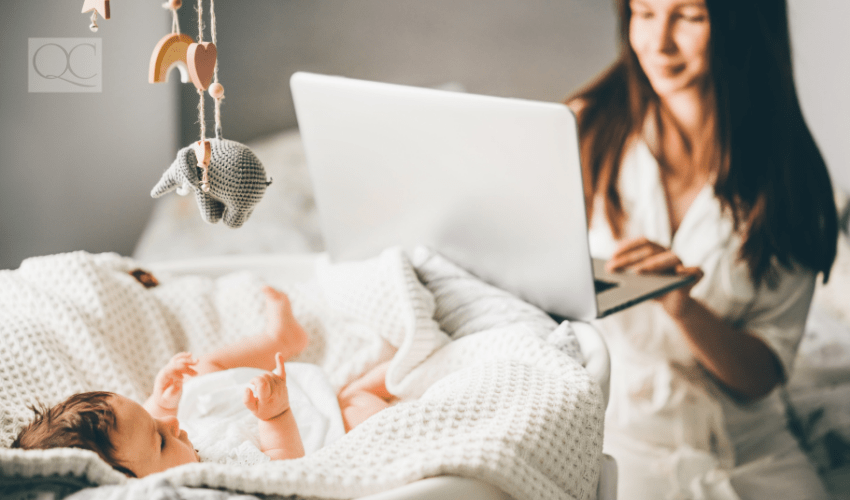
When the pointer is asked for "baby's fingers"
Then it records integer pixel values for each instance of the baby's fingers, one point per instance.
(279, 370)
(183, 358)
(187, 370)
(249, 400)
(262, 389)
(182, 363)
(172, 390)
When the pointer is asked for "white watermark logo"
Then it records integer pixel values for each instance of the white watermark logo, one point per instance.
(65, 65)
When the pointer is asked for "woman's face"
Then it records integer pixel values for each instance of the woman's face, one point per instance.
(670, 38)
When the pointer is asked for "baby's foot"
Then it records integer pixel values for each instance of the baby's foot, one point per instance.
(267, 396)
(288, 335)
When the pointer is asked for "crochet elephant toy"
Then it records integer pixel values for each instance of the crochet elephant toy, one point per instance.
(237, 181)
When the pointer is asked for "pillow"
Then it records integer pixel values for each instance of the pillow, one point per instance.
(466, 305)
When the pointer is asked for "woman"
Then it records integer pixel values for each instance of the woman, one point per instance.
(697, 160)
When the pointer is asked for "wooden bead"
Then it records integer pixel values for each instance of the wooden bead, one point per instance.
(216, 90)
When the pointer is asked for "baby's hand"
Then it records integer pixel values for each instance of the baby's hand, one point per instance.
(168, 385)
(269, 399)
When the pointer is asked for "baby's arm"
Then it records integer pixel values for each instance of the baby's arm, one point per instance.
(279, 436)
(168, 386)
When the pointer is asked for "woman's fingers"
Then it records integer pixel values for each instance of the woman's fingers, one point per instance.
(631, 244)
(694, 271)
(664, 262)
(632, 252)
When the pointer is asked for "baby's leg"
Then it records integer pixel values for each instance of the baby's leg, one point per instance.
(282, 334)
(365, 397)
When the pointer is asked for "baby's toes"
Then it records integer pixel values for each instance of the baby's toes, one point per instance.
(277, 302)
(274, 296)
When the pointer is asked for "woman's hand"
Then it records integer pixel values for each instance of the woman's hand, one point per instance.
(639, 255)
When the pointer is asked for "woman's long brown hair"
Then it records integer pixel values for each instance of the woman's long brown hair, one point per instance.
(770, 177)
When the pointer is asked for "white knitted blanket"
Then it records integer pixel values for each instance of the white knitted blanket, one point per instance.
(496, 394)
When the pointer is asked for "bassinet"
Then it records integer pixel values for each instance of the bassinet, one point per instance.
(283, 271)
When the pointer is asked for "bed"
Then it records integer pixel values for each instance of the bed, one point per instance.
(183, 252)
(817, 396)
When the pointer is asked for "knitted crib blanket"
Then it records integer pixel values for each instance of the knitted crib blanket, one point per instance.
(490, 387)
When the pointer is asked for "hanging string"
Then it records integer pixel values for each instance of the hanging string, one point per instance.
(200, 10)
(215, 72)
(201, 117)
(175, 23)
(213, 34)
(214, 39)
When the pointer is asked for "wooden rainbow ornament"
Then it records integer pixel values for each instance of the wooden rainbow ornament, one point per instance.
(227, 177)
(169, 53)
(96, 7)
(171, 50)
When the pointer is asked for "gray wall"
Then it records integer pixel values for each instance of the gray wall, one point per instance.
(76, 169)
(538, 49)
(821, 44)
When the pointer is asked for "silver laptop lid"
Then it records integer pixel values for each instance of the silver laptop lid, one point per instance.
(492, 183)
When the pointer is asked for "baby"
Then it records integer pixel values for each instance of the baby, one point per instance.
(139, 440)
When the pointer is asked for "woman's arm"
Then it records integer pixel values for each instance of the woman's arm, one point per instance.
(739, 360)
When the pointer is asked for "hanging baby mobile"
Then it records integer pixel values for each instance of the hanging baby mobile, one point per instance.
(226, 176)
(96, 7)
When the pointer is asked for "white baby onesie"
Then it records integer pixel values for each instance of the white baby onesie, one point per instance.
(224, 431)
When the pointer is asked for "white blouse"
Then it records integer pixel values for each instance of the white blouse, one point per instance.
(660, 398)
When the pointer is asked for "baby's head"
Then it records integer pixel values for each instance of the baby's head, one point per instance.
(118, 429)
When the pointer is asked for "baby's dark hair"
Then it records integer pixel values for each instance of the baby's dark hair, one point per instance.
(82, 421)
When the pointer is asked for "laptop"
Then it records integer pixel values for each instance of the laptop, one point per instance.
(494, 184)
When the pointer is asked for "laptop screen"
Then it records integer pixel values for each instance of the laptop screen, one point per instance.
(492, 183)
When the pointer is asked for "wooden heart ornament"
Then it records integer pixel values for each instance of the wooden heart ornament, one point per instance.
(200, 57)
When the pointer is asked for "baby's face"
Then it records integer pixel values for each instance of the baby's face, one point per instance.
(146, 445)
